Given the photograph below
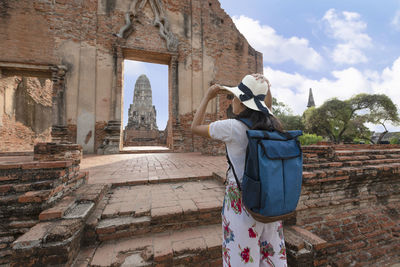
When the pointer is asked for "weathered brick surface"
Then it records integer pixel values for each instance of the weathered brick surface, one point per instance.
(57, 241)
(56, 152)
(350, 198)
(199, 245)
(26, 110)
(27, 188)
(144, 209)
(134, 169)
(208, 40)
(347, 214)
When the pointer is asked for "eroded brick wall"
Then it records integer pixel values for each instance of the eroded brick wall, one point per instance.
(81, 36)
(28, 188)
(351, 199)
(26, 108)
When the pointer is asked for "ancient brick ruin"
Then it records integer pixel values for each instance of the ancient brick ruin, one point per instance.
(142, 127)
(348, 214)
(61, 81)
(81, 46)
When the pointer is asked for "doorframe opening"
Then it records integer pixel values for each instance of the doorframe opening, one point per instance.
(169, 59)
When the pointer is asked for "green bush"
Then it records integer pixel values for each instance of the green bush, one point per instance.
(309, 139)
(395, 140)
(361, 141)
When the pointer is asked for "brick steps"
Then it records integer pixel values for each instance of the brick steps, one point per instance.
(23, 203)
(20, 188)
(145, 151)
(57, 237)
(196, 246)
(16, 178)
(199, 245)
(124, 226)
(160, 180)
(136, 210)
(352, 161)
(366, 152)
(346, 173)
(315, 155)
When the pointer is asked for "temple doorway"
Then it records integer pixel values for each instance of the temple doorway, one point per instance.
(145, 107)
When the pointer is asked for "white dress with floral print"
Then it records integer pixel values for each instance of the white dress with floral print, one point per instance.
(246, 242)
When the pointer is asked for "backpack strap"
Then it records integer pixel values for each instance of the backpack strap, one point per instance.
(233, 169)
(246, 122)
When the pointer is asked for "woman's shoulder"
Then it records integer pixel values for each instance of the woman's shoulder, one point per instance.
(234, 123)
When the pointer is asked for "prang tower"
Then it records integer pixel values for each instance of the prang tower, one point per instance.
(142, 113)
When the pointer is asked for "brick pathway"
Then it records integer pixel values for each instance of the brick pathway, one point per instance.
(161, 210)
(133, 169)
(162, 198)
(160, 207)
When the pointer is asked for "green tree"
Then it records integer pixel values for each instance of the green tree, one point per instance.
(286, 116)
(345, 120)
(395, 139)
(330, 120)
(378, 108)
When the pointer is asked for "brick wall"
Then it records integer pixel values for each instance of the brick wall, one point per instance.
(28, 188)
(25, 104)
(351, 199)
(82, 33)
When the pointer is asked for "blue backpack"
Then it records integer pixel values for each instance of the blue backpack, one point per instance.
(272, 178)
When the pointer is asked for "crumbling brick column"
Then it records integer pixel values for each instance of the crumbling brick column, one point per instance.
(59, 131)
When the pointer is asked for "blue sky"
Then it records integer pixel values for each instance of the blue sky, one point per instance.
(337, 48)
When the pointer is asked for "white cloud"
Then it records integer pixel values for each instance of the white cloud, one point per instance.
(396, 20)
(349, 30)
(276, 48)
(293, 89)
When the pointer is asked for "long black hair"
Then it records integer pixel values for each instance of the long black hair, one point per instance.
(260, 121)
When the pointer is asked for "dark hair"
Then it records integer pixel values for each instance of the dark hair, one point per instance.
(261, 121)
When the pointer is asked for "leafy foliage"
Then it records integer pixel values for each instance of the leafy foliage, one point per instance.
(343, 121)
(309, 139)
(395, 140)
(286, 116)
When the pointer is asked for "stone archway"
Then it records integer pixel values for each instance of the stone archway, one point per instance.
(112, 141)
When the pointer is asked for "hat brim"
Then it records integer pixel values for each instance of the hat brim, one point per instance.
(249, 103)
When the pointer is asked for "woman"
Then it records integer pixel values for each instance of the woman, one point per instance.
(246, 242)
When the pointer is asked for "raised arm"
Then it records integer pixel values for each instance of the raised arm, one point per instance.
(197, 125)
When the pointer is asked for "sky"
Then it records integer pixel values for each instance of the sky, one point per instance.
(338, 48)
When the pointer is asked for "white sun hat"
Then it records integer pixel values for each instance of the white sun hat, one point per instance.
(252, 91)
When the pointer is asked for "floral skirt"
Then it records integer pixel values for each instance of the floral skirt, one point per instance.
(247, 242)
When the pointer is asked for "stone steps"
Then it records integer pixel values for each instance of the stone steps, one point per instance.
(141, 209)
(145, 151)
(57, 237)
(21, 188)
(30, 202)
(31, 172)
(196, 246)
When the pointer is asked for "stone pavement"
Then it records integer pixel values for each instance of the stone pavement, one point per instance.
(141, 209)
(131, 169)
(163, 210)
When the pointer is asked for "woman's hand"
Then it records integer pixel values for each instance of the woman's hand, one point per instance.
(214, 90)
(197, 125)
